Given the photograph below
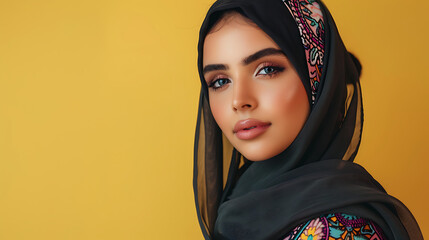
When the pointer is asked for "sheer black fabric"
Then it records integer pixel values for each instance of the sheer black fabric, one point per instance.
(237, 199)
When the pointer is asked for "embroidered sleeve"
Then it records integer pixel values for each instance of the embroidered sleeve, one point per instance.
(336, 227)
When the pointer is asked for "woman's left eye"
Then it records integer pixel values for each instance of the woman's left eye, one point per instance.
(269, 70)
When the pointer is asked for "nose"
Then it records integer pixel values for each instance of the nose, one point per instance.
(244, 97)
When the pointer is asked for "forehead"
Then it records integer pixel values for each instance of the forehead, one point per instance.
(232, 38)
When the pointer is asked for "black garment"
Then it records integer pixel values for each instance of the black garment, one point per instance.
(237, 199)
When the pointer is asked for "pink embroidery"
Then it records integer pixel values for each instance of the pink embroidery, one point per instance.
(309, 19)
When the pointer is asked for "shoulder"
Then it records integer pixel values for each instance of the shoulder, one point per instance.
(336, 227)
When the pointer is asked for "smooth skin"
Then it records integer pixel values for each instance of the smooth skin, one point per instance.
(250, 78)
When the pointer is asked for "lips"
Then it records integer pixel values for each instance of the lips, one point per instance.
(250, 128)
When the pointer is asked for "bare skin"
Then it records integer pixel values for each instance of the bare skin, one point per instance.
(256, 95)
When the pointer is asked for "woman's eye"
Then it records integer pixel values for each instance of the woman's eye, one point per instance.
(218, 83)
(269, 70)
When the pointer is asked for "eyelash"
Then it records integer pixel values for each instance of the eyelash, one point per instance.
(214, 81)
(275, 71)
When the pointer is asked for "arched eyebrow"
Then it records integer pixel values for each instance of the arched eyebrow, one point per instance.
(260, 54)
(214, 67)
(246, 61)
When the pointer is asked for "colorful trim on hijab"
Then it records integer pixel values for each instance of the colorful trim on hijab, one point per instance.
(336, 227)
(309, 19)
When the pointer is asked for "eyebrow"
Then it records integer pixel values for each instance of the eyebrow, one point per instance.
(262, 53)
(214, 67)
(246, 61)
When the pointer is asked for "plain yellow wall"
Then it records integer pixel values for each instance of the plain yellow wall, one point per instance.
(98, 105)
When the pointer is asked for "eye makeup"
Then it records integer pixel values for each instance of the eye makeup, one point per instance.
(269, 69)
(218, 83)
(266, 69)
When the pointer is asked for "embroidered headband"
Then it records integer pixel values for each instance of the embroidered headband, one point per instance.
(309, 19)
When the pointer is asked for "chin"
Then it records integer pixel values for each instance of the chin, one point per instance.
(260, 154)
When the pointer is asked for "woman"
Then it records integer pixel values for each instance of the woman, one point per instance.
(279, 124)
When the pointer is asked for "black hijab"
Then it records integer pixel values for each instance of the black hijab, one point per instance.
(237, 199)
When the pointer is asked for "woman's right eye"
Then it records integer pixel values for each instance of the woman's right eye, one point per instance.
(218, 83)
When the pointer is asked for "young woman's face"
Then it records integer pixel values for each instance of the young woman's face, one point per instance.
(256, 96)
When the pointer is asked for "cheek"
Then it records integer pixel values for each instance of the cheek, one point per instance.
(289, 107)
(288, 99)
(218, 107)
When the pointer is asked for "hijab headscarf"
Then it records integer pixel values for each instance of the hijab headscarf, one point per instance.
(238, 199)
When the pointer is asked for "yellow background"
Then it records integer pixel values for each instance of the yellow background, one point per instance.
(98, 105)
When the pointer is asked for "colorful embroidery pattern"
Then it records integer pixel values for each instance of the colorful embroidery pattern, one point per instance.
(309, 19)
(336, 227)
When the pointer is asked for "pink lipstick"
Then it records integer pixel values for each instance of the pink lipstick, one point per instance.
(250, 128)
